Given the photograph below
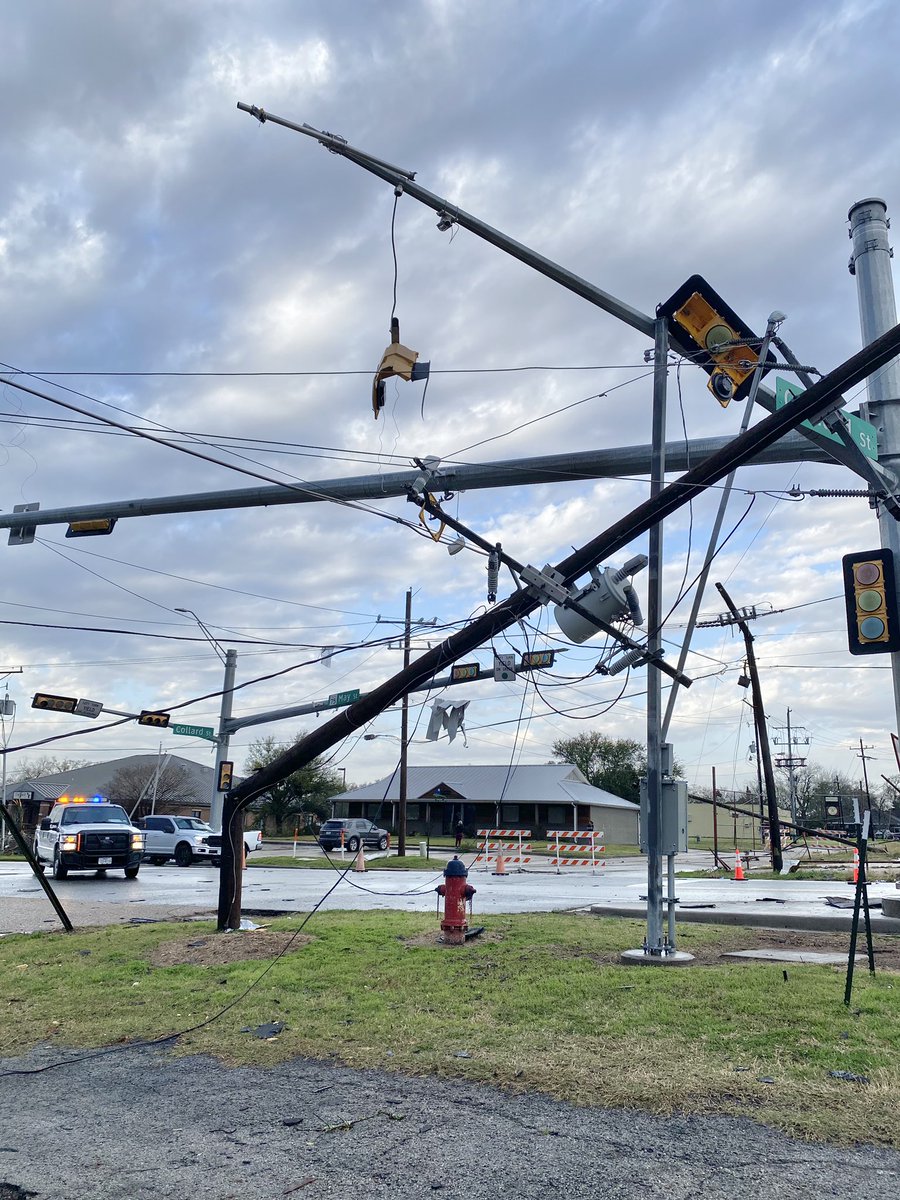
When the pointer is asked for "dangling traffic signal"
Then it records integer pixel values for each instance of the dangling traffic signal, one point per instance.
(873, 623)
(226, 774)
(700, 319)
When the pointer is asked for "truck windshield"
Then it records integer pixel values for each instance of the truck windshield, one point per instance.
(94, 814)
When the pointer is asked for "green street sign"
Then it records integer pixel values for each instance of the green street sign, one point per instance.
(339, 699)
(201, 731)
(864, 434)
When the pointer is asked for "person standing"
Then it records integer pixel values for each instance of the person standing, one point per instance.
(459, 834)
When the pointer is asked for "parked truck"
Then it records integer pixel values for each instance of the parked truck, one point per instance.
(186, 840)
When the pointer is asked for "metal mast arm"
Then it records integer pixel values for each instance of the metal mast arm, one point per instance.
(457, 216)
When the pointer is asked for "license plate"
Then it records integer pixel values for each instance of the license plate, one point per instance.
(105, 862)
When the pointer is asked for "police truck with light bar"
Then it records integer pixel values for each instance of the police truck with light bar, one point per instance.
(88, 834)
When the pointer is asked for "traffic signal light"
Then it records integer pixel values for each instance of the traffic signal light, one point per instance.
(464, 671)
(226, 774)
(538, 658)
(700, 319)
(54, 703)
(873, 623)
(159, 719)
(92, 528)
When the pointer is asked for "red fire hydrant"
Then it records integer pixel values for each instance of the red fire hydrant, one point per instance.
(456, 892)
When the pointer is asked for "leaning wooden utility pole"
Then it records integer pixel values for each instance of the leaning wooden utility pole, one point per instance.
(811, 405)
(762, 734)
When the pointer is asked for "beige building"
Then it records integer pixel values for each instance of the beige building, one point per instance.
(733, 829)
(540, 798)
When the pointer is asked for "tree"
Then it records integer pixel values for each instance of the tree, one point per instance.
(132, 787)
(303, 794)
(614, 764)
(812, 784)
(44, 764)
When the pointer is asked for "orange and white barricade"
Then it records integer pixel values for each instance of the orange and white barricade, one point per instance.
(503, 847)
(575, 848)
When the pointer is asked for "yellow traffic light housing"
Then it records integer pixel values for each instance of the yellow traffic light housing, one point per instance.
(226, 774)
(873, 623)
(93, 528)
(719, 341)
(158, 719)
(398, 360)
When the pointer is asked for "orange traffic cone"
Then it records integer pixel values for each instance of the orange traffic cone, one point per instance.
(360, 864)
(738, 869)
(501, 869)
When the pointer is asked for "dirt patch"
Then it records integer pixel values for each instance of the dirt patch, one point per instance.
(220, 949)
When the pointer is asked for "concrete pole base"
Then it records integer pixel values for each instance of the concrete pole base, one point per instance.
(641, 958)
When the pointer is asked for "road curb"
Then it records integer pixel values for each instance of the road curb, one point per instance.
(838, 921)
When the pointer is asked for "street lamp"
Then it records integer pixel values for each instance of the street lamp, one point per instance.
(209, 637)
(230, 660)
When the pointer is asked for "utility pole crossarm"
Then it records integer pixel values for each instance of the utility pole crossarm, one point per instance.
(457, 216)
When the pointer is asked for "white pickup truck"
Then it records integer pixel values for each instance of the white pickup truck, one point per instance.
(187, 840)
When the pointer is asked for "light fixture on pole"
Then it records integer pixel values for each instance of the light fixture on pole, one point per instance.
(209, 637)
(229, 658)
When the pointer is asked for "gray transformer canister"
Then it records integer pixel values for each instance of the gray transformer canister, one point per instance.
(673, 837)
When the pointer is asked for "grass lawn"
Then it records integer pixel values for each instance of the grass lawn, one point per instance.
(537, 1003)
(410, 862)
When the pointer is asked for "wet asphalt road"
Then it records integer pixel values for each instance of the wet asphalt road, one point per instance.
(194, 890)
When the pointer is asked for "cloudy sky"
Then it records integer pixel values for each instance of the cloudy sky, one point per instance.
(169, 263)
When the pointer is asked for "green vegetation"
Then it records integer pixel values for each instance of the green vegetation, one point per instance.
(538, 1003)
(303, 796)
(613, 764)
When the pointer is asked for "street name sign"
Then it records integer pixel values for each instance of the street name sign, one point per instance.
(201, 731)
(864, 434)
(338, 699)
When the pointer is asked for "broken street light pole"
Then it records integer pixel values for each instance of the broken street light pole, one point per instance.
(811, 405)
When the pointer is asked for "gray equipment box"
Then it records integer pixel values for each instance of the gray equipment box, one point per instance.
(673, 837)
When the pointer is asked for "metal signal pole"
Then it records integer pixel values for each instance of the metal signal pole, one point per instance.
(870, 263)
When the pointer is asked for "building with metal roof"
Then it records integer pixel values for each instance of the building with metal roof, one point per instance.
(182, 787)
(536, 797)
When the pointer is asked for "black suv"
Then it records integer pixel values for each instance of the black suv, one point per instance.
(357, 831)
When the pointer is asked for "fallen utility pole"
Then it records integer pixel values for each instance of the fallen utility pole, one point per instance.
(36, 868)
(762, 733)
(804, 830)
(811, 405)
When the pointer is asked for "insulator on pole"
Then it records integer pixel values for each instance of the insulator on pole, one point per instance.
(628, 659)
(493, 570)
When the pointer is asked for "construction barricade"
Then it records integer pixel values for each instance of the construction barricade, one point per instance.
(505, 848)
(583, 844)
